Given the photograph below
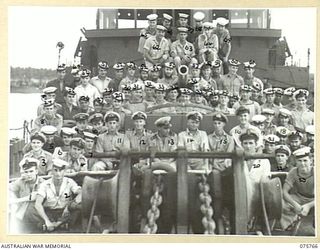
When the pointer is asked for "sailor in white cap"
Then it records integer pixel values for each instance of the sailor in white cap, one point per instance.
(143, 74)
(52, 138)
(160, 94)
(69, 109)
(216, 73)
(310, 136)
(57, 208)
(298, 191)
(269, 94)
(85, 88)
(49, 117)
(48, 94)
(118, 107)
(60, 83)
(224, 42)
(283, 133)
(110, 141)
(302, 116)
(259, 122)
(66, 135)
(208, 44)
(147, 32)
(167, 23)
(101, 81)
(198, 18)
(289, 98)
(232, 81)
(245, 100)
(285, 118)
(270, 142)
(184, 98)
(249, 78)
(278, 96)
(154, 73)
(118, 75)
(22, 194)
(164, 140)
(181, 50)
(130, 76)
(282, 153)
(270, 127)
(156, 48)
(169, 77)
(194, 139)
(37, 140)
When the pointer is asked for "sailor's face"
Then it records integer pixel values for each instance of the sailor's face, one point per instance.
(218, 125)
(269, 147)
(107, 98)
(160, 33)
(195, 72)
(281, 158)
(131, 72)
(206, 72)
(216, 71)
(85, 80)
(207, 31)
(70, 99)
(166, 23)
(168, 71)
(102, 72)
(249, 145)
(84, 105)
(116, 104)
(184, 98)
(136, 94)
(152, 24)
(270, 98)
(233, 69)
(183, 22)
(173, 94)
(66, 139)
(155, 74)
(301, 102)
(30, 174)
(36, 145)
(254, 94)
(49, 111)
(269, 117)
(220, 27)
(197, 99)
(160, 95)
(283, 120)
(119, 74)
(193, 125)
(261, 126)
(97, 107)
(61, 74)
(89, 143)
(245, 95)
(149, 91)
(139, 124)
(183, 36)
(58, 173)
(295, 144)
(97, 125)
(249, 72)
(164, 131)
(244, 118)
(82, 124)
(144, 75)
(304, 165)
(112, 126)
(75, 151)
(224, 99)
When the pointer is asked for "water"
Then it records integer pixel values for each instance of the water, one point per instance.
(22, 107)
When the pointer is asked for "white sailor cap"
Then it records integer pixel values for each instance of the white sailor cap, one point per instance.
(183, 15)
(89, 135)
(301, 92)
(194, 80)
(149, 84)
(234, 62)
(137, 86)
(222, 21)
(160, 87)
(28, 162)
(199, 16)
(268, 111)
(68, 131)
(119, 66)
(166, 16)
(58, 163)
(302, 152)
(186, 91)
(103, 65)
(49, 90)
(161, 27)
(170, 65)
(111, 116)
(282, 131)
(251, 64)
(278, 91)
(256, 86)
(269, 91)
(194, 115)
(217, 63)
(258, 119)
(163, 122)
(48, 130)
(289, 91)
(246, 88)
(282, 149)
(310, 129)
(139, 115)
(208, 25)
(285, 112)
(152, 17)
(119, 96)
(271, 139)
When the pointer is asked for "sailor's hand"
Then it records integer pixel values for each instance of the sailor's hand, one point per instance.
(65, 213)
(305, 210)
(297, 208)
(50, 225)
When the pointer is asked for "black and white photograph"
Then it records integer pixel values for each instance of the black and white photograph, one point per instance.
(161, 121)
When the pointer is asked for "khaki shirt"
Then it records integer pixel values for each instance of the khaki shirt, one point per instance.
(155, 49)
(100, 84)
(232, 83)
(302, 118)
(58, 199)
(178, 49)
(42, 120)
(45, 159)
(75, 165)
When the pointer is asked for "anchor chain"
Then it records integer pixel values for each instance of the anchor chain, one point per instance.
(154, 213)
(205, 207)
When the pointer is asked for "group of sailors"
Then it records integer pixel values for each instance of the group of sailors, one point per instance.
(77, 119)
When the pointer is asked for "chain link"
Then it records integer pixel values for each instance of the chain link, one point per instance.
(154, 213)
(205, 207)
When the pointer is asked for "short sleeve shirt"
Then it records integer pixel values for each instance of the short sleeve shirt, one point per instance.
(45, 159)
(302, 186)
(179, 49)
(156, 49)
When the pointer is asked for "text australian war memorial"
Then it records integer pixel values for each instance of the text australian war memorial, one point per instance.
(174, 122)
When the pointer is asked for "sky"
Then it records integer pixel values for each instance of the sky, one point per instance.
(34, 32)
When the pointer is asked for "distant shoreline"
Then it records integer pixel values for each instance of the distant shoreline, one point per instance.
(25, 89)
